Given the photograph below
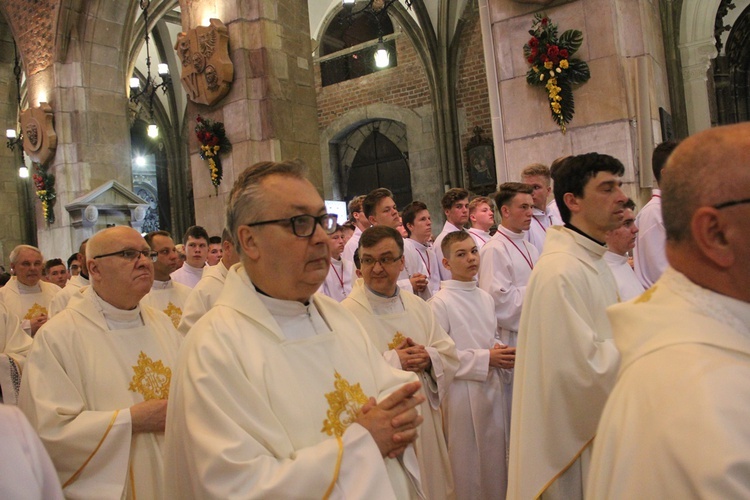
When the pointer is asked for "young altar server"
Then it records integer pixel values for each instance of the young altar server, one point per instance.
(338, 282)
(473, 417)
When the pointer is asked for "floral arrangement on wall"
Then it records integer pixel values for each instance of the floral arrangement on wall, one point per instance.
(554, 67)
(214, 142)
(44, 184)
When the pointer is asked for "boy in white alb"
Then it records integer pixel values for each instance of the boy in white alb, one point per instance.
(418, 225)
(507, 261)
(482, 218)
(455, 203)
(539, 178)
(338, 283)
(473, 417)
(619, 242)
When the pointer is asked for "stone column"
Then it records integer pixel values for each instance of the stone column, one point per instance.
(270, 112)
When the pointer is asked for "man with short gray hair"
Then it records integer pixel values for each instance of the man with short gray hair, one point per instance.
(26, 295)
(274, 394)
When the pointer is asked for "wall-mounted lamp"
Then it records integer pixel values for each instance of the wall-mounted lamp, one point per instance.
(376, 8)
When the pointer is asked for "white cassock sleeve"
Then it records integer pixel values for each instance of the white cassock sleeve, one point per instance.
(497, 277)
(93, 461)
(474, 364)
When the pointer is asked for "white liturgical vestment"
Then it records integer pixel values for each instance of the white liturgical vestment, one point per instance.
(61, 298)
(389, 321)
(566, 364)
(473, 416)
(14, 345)
(203, 296)
(263, 403)
(537, 233)
(168, 297)
(505, 265)
(26, 471)
(188, 275)
(649, 254)
(27, 302)
(628, 285)
(80, 380)
(338, 282)
(480, 237)
(428, 265)
(445, 275)
(350, 248)
(675, 425)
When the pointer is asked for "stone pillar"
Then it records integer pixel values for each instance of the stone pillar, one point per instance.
(615, 113)
(270, 112)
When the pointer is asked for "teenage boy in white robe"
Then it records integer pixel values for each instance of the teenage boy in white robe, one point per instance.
(619, 242)
(166, 295)
(74, 285)
(403, 328)
(473, 416)
(539, 178)
(481, 218)
(274, 394)
(359, 219)
(507, 262)
(206, 292)
(675, 425)
(418, 224)
(338, 283)
(455, 203)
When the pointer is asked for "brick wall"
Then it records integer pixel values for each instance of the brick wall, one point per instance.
(404, 86)
(472, 96)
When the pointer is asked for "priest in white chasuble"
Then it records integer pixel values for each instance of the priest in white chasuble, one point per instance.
(205, 294)
(278, 393)
(26, 295)
(566, 360)
(14, 346)
(97, 377)
(403, 328)
(166, 295)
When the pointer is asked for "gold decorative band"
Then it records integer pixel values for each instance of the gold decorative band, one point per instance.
(338, 468)
(77, 473)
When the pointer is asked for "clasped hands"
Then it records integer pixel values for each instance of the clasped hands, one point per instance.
(502, 356)
(413, 357)
(393, 422)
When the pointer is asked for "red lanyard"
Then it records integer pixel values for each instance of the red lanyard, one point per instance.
(527, 259)
(540, 224)
(426, 262)
(340, 278)
(475, 234)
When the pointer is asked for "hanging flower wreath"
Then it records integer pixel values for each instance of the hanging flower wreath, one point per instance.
(44, 183)
(553, 67)
(213, 139)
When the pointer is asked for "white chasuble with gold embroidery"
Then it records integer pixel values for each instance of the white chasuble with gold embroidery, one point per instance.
(257, 413)
(80, 380)
(387, 328)
(27, 305)
(168, 297)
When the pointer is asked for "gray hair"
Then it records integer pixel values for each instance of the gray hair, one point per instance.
(13, 258)
(246, 201)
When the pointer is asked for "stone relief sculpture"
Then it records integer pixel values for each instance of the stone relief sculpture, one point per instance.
(207, 71)
(39, 137)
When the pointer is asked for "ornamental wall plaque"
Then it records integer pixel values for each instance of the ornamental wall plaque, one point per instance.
(39, 137)
(207, 71)
(480, 164)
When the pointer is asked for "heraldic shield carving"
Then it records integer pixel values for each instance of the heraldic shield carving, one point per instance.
(207, 71)
(39, 137)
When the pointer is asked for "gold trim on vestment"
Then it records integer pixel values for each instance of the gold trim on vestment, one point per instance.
(77, 473)
(557, 476)
(132, 479)
(337, 470)
(34, 311)
(150, 378)
(398, 339)
(344, 405)
(174, 313)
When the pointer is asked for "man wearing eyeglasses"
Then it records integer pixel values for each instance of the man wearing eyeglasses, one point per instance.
(166, 295)
(275, 391)
(97, 378)
(75, 283)
(403, 328)
(675, 424)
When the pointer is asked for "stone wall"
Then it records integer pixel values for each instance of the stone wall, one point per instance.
(616, 111)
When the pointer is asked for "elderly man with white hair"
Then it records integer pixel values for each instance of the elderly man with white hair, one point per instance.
(275, 391)
(26, 295)
(97, 378)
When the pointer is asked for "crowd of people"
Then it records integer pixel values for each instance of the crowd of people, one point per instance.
(572, 349)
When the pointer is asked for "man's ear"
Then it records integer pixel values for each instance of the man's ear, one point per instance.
(358, 273)
(571, 202)
(246, 240)
(446, 264)
(371, 220)
(93, 268)
(709, 230)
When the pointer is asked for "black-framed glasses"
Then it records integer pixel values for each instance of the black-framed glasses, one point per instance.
(131, 254)
(383, 261)
(303, 226)
(731, 203)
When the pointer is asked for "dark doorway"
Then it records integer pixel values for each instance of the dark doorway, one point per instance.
(379, 163)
